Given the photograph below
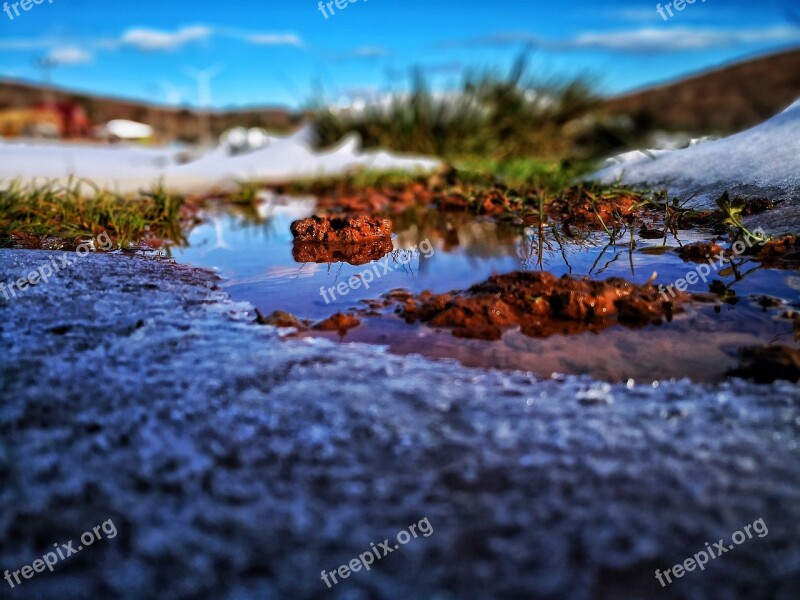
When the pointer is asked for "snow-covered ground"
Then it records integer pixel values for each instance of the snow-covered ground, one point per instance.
(237, 466)
(764, 161)
(129, 169)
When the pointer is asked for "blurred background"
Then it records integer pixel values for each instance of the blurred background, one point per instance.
(459, 79)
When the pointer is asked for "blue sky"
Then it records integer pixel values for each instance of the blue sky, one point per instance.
(272, 52)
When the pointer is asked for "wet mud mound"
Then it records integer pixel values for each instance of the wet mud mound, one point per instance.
(340, 230)
(540, 304)
(354, 240)
(781, 253)
(765, 364)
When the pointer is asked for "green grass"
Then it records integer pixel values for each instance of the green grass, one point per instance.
(492, 115)
(67, 211)
(355, 180)
(552, 175)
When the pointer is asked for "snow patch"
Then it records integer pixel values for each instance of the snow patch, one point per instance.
(764, 160)
(129, 169)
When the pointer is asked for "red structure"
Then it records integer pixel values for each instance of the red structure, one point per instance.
(74, 122)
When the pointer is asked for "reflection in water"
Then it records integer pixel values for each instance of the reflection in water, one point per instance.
(220, 231)
(256, 256)
(354, 254)
(249, 249)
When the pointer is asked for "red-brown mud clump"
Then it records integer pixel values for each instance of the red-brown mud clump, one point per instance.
(340, 230)
(587, 209)
(339, 322)
(281, 318)
(576, 206)
(372, 200)
(540, 304)
(689, 219)
(766, 364)
(783, 252)
(581, 206)
(31, 241)
(754, 206)
(494, 203)
(699, 251)
(354, 254)
(584, 208)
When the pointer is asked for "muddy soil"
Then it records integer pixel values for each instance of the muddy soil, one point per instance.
(340, 230)
(505, 251)
(581, 206)
(541, 305)
(781, 253)
(765, 364)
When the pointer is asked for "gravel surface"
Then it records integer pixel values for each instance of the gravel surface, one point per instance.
(236, 465)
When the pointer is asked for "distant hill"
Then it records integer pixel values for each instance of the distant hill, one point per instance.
(170, 123)
(723, 100)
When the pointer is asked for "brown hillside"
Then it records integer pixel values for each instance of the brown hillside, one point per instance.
(170, 123)
(723, 100)
(728, 99)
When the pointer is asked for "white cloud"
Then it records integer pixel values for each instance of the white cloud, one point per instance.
(675, 39)
(648, 39)
(69, 55)
(362, 52)
(22, 44)
(274, 39)
(153, 39)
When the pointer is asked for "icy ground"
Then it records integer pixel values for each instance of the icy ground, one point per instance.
(762, 161)
(236, 466)
(130, 169)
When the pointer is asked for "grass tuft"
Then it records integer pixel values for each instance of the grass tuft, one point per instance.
(491, 115)
(66, 211)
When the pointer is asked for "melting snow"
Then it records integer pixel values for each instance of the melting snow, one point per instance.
(128, 169)
(764, 160)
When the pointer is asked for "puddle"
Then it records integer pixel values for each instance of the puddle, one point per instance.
(445, 251)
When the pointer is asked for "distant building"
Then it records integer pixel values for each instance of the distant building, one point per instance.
(74, 122)
(48, 120)
(29, 122)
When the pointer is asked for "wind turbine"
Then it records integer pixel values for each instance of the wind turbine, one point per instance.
(46, 64)
(219, 230)
(173, 95)
(203, 78)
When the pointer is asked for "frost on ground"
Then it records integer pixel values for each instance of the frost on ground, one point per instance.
(235, 465)
(762, 161)
(128, 169)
